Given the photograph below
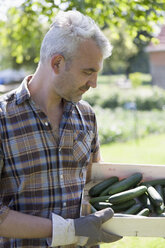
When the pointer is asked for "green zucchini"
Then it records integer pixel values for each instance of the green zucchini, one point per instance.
(160, 209)
(99, 199)
(162, 214)
(159, 189)
(123, 206)
(134, 209)
(154, 182)
(127, 195)
(125, 184)
(145, 200)
(106, 190)
(115, 207)
(163, 189)
(144, 212)
(98, 188)
(101, 205)
(154, 196)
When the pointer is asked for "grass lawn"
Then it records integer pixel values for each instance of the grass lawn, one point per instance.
(149, 150)
(136, 242)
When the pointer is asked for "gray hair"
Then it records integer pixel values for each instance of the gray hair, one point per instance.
(67, 31)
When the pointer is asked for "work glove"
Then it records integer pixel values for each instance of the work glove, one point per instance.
(83, 231)
(91, 226)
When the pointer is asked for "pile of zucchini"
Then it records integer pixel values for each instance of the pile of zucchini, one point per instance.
(131, 195)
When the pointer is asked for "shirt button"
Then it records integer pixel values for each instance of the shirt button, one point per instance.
(46, 124)
(64, 204)
(61, 176)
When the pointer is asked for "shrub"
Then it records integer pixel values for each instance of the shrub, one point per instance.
(145, 97)
(153, 98)
(138, 79)
(122, 125)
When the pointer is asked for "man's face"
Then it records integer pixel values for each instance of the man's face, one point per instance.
(82, 74)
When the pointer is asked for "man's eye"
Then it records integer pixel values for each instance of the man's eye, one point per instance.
(88, 73)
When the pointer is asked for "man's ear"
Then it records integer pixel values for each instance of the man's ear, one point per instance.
(57, 62)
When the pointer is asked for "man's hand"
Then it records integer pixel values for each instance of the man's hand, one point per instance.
(83, 231)
(90, 226)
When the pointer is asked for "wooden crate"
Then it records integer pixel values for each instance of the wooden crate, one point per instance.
(128, 226)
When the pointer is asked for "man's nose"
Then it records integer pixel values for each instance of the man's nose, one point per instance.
(93, 81)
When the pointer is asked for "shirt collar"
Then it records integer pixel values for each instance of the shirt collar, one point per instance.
(22, 93)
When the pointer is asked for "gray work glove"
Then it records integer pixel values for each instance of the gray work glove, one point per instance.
(90, 226)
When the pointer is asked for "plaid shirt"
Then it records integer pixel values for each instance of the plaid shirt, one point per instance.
(39, 175)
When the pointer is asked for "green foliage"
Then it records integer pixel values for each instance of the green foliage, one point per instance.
(144, 97)
(22, 33)
(138, 79)
(19, 38)
(123, 50)
(117, 122)
(122, 125)
(152, 98)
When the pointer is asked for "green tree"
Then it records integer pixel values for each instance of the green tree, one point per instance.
(22, 33)
(123, 49)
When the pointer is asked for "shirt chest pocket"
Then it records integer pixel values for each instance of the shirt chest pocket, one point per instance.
(82, 145)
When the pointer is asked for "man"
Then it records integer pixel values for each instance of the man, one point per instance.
(48, 138)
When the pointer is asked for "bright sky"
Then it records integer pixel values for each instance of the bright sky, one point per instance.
(5, 4)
